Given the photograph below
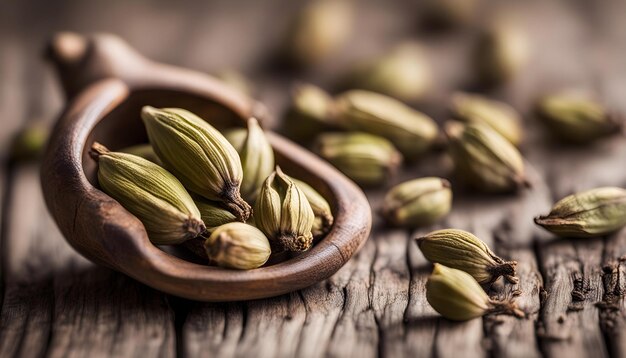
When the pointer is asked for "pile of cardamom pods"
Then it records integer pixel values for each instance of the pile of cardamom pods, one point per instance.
(191, 182)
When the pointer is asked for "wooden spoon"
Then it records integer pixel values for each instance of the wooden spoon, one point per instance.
(106, 83)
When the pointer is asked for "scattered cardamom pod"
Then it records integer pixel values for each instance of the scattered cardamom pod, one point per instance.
(321, 28)
(257, 157)
(28, 144)
(238, 246)
(501, 52)
(143, 150)
(463, 251)
(575, 118)
(498, 115)
(485, 159)
(457, 296)
(198, 154)
(590, 213)
(403, 73)
(321, 209)
(150, 193)
(309, 113)
(235, 80)
(213, 214)
(365, 158)
(417, 202)
(284, 214)
(411, 131)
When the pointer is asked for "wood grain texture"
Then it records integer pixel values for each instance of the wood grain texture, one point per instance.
(572, 291)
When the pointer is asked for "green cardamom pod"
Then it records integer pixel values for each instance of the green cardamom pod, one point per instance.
(498, 115)
(319, 30)
(257, 157)
(238, 246)
(403, 73)
(485, 159)
(143, 150)
(29, 143)
(284, 214)
(411, 131)
(575, 118)
(150, 193)
(323, 215)
(501, 52)
(463, 251)
(457, 296)
(309, 112)
(365, 158)
(213, 214)
(198, 154)
(590, 213)
(417, 202)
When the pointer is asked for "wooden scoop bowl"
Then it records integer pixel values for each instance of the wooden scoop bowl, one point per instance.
(107, 83)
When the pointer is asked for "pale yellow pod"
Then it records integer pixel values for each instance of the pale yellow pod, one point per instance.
(238, 246)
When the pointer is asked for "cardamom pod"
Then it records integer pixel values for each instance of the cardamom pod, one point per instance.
(463, 251)
(417, 202)
(590, 213)
(28, 144)
(257, 157)
(484, 158)
(213, 214)
(320, 29)
(575, 118)
(365, 158)
(403, 73)
(309, 112)
(150, 193)
(143, 150)
(198, 154)
(284, 214)
(411, 131)
(498, 115)
(238, 246)
(501, 52)
(321, 209)
(457, 296)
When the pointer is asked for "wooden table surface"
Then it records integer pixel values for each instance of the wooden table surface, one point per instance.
(56, 303)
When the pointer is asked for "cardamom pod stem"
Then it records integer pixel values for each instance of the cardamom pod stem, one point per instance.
(590, 213)
(150, 193)
(198, 154)
(463, 251)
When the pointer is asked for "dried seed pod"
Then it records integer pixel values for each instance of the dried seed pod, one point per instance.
(575, 118)
(143, 150)
(213, 214)
(485, 159)
(501, 52)
(403, 73)
(594, 212)
(323, 215)
(198, 154)
(498, 115)
(463, 251)
(29, 142)
(257, 157)
(457, 296)
(319, 30)
(411, 131)
(309, 113)
(417, 202)
(238, 246)
(150, 193)
(365, 158)
(284, 214)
